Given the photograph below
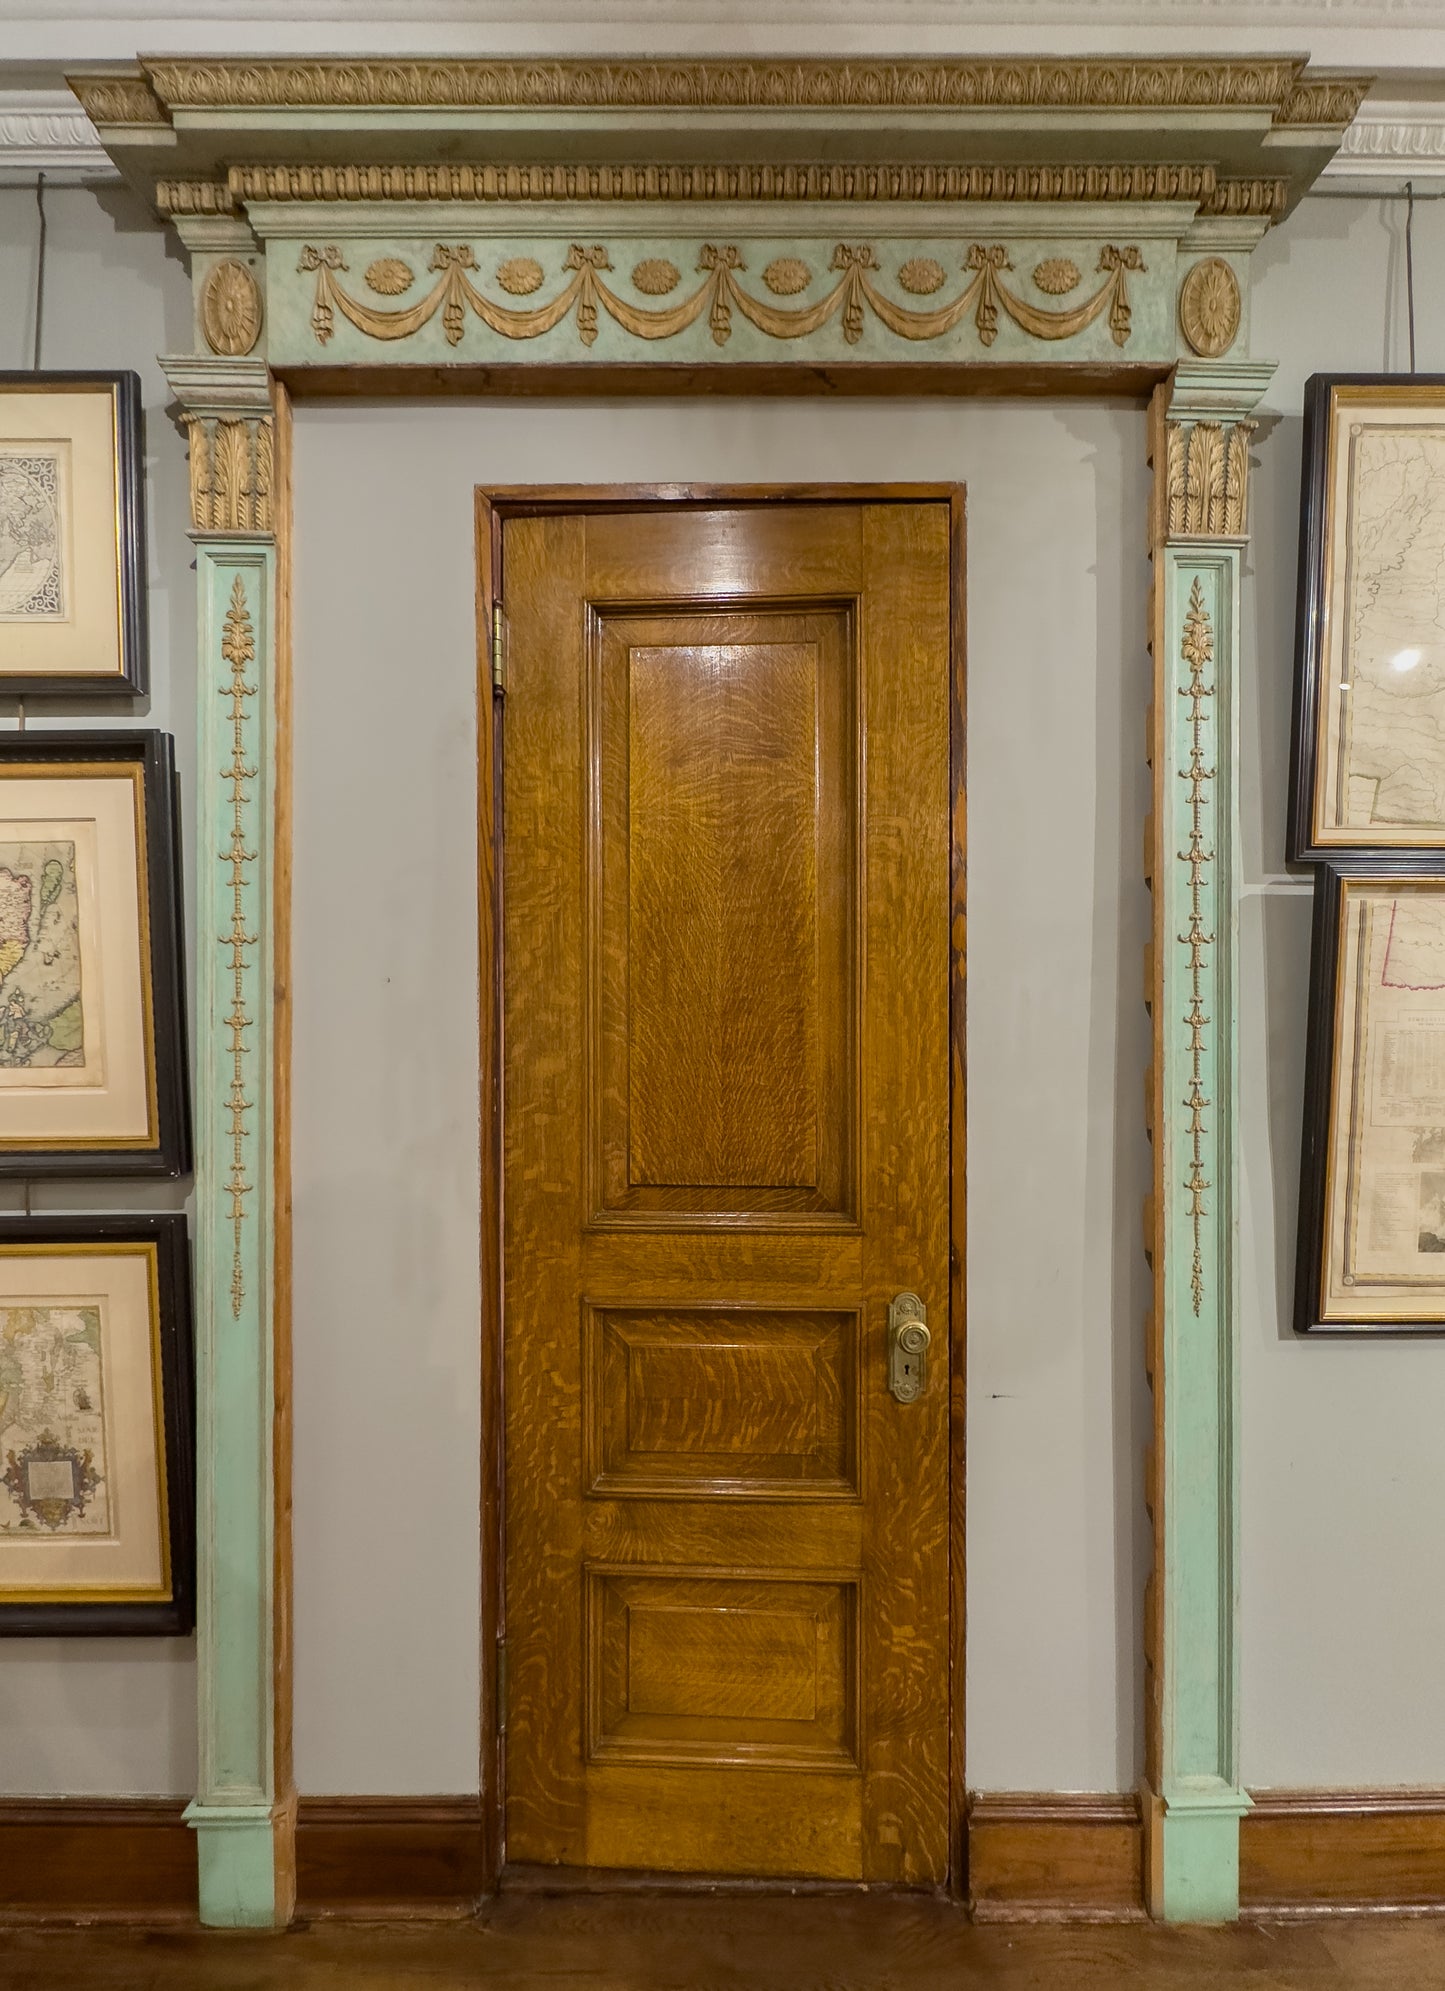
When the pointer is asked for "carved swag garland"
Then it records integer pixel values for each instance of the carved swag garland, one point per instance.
(718, 296)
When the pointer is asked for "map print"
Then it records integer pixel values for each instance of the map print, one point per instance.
(41, 1021)
(1392, 746)
(52, 1421)
(32, 568)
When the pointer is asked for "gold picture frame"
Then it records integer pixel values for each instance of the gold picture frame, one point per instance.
(1369, 730)
(97, 1503)
(92, 1043)
(1372, 1205)
(72, 540)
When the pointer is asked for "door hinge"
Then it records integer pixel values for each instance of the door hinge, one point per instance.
(502, 1685)
(499, 648)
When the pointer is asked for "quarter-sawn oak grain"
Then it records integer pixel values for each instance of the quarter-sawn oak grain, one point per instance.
(726, 1147)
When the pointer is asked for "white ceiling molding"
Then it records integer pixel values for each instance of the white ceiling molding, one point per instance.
(46, 131)
(1388, 144)
(1398, 35)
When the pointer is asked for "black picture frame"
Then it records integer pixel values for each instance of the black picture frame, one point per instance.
(1301, 843)
(1321, 1089)
(133, 678)
(170, 1153)
(176, 1616)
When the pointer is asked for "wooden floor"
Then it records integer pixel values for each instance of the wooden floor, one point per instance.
(652, 1943)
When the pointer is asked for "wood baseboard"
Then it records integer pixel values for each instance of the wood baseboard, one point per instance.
(106, 1859)
(1046, 1856)
(1343, 1852)
(68, 1859)
(1033, 1856)
(389, 1858)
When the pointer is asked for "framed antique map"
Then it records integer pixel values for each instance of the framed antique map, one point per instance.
(1369, 723)
(1372, 1201)
(72, 561)
(92, 1046)
(97, 1503)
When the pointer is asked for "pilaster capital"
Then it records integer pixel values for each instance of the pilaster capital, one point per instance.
(230, 389)
(226, 409)
(1218, 390)
(1206, 437)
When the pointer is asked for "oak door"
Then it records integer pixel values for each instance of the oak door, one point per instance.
(726, 1151)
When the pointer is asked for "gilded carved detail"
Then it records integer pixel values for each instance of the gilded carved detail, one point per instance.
(851, 299)
(785, 276)
(1207, 481)
(1197, 650)
(232, 473)
(1267, 199)
(118, 100)
(655, 276)
(187, 197)
(1242, 83)
(1056, 276)
(521, 275)
(1209, 307)
(921, 276)
(231, 309)
(571, 181)
(388, 276)
(238, 650)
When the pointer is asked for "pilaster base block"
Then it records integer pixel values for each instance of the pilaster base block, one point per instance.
(246, 1855)
(1191, 1855)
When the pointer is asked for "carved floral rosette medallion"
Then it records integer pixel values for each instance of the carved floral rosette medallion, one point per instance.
(1209, 307)
(231, 310)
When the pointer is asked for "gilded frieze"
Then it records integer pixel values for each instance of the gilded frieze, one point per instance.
(858, 292)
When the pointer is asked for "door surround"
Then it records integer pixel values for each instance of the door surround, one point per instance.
(494, 506)
(1073, 254)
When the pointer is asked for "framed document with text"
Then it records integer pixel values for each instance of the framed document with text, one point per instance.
(92, 1031)
(1368, 763)
(72, 541)
(97, 1426)
(1372, 1196)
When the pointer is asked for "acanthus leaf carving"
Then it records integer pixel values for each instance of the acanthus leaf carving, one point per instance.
(1207, 479)
(232, 472)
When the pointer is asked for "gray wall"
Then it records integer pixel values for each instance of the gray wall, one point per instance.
(110, 1715)
(1343, 1466)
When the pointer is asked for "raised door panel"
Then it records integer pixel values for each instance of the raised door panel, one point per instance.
(697, 1402)
(724, 952)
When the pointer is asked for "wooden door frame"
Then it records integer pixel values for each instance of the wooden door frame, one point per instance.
(495, 505)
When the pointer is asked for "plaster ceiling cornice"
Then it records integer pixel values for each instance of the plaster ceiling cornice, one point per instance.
(46, 131)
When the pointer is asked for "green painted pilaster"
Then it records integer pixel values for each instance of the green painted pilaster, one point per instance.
(1197, 1800)
(240, 1815)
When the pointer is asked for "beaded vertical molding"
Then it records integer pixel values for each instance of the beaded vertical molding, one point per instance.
(241, 1815)
(1201, 431)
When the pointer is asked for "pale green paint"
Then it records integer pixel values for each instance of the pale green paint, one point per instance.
(234, 1268)
(1201, 1862)
(1199, 1775)
(236, 1857)
(1199, 1788)
(292, 294)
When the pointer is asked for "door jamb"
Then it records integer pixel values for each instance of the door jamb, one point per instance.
(494, 505)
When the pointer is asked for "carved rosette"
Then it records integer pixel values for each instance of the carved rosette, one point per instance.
(231, 309)
(1209, 307)
(232, 473)
(1207, 481)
